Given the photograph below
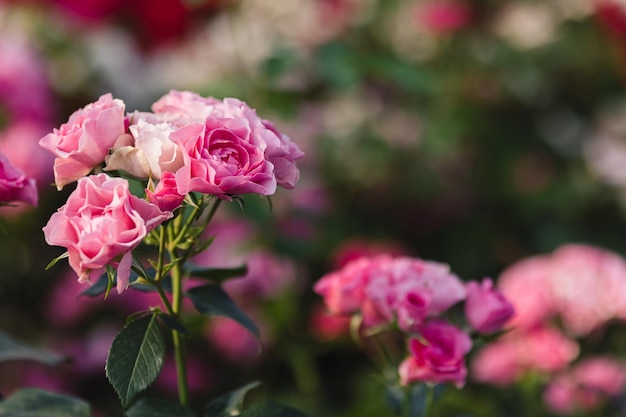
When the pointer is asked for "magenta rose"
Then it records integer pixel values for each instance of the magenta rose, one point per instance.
(100, 224)
(438, 356)
(487, 309)
(84, 141)
(15, 185)
(165, 195)
(221, 161)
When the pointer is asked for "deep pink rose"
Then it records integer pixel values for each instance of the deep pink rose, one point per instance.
(165, 195)
(221, 161)
(15, 185)
(84, 141)
(442, 17)
(486, 308)
(100, 224)
(183, 107)
(439, 356)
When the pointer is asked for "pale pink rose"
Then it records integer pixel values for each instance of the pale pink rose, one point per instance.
(15, 186)
(183, 107)
(222, 162)
(486, 308)
(165, 195)
(586, 386)
(589, 286)
(542, 349)
(442, 17)
(498, 363)
(100, 224)
(438, 356)
(546, 349)
(85, 140)
(526, 284)
(151, 153)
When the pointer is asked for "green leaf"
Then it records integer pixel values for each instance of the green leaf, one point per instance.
(229, 404)
(33, 402)
(271, 409)
(11, 350)
(172, 323)
(156, 407)
(212, 300)
(57, 259)
(215, 274)
(136, 357)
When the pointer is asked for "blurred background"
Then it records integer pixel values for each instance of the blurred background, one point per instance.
(470, 132)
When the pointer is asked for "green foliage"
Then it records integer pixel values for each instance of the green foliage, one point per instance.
(216, 275)
(32, 402)
(12, 350)
(229, 404)
(157, 407)
(136, 357)
(211, 300)
(271, 409)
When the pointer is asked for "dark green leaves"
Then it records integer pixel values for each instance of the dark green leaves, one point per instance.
(135, 358)
(156, 407)
(271, 409)
(229, 404)
(11, 349)
(216, 275)
(211, 300)
(32, 402)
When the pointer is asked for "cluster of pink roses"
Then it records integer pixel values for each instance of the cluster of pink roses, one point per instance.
(413, 295)
(559, 298)
(188, 143)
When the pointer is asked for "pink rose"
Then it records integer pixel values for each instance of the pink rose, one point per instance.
(343, 290)
(84, 141)
(585, 386)
(486, 308)
(409, 290)
(221, 161)
(15, 185)
(165, 195)
(183, 107)
(442, 17)
(100, 224)
(438, 356)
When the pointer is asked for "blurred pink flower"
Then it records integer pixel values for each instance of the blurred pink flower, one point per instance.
(234, 342)
(541, 349)
(585, 386)
(526, 284)
(385, 289)
(486, 308)
(437, 356)
(19, 141)
(326, 326)
(359, 248)
(15, 186)
(442, 17)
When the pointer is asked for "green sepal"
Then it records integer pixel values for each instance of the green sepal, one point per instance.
(57, 259)
(229, 404)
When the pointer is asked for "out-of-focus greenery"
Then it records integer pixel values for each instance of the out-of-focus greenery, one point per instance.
(474, 146)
